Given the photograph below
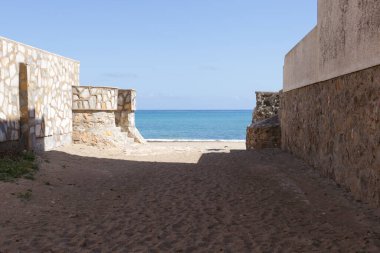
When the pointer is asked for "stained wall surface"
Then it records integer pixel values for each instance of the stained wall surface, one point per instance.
(265, 131)
(49, 81)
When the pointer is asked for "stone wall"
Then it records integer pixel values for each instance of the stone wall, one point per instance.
(267, 105)
(40, 92)
(125, 115)
(95, 98)
(349, 35)
(331, 118)
(47, 99)
(264, 134)
(335, 126)
(104, 116)
(265, 131)
(345, 40)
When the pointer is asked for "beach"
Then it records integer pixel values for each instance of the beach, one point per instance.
(181, 197)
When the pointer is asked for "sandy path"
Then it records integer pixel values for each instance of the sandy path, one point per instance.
(182, 197)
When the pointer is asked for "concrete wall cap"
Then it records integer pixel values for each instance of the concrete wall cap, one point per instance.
(38, 49)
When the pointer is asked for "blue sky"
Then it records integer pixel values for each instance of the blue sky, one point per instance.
(177, 54)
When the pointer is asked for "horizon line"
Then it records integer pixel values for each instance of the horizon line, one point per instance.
(194, 109)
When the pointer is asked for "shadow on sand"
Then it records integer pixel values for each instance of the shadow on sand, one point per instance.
(243, 201)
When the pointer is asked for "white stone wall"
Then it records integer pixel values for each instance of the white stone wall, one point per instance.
(95, 98)
(50, 78)
(104, 116)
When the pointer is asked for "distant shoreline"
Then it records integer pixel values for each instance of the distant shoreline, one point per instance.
(191, 110)
(191, 140)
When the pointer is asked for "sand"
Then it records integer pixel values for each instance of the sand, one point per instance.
(182, 197)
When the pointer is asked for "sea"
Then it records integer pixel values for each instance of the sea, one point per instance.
(193, 125)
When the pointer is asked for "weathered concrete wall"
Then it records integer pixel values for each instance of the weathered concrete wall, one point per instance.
(349, 36)
(331, 119)
(48, 81)
(301, 63)
(267, 105)
(335, 126)
(345, 40)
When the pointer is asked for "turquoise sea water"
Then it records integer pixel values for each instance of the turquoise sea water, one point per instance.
(193, 125)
